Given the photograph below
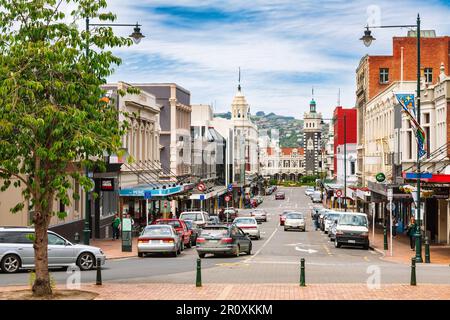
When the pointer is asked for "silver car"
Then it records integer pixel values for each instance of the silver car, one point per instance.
(259, 215)
(17, 252)
(159, 238)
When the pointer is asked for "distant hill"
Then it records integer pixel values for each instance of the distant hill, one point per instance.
(290, 129)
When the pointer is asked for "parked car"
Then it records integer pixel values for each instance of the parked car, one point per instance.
(280, 195)
(195, 231)
(329, 219)
(322, 214)
(316, 197)
(259, 199)
(309, 191)
(294, 220)
(283, 216)
(200, 218)
(214, 220)
(260, 215)
(223, 239)
(159, 238)
(17, 252)
(249, 226)
(181, 228)
(352, 229)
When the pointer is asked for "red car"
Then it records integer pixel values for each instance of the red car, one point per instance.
(283, 217)
(280, 195)
(180, 227)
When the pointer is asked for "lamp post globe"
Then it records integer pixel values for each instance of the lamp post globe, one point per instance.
(137, 35)
(367, 38)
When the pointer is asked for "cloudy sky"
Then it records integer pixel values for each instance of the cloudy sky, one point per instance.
(284, 47)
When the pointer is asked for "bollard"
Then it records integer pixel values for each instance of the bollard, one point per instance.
(198, 281)
(385, 238)
(413, 271)
(302, 272)
(99, 273)
(427, 250)
(76, 237)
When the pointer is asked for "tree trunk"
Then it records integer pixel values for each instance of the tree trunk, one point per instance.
(42, 285)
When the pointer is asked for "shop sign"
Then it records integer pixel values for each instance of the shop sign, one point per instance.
(107, 185)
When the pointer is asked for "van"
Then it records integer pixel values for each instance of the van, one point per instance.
(200, 218)
(352, 229)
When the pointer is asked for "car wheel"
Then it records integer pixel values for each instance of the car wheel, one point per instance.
(366, 247)
(238, 251)
(10, 263)
(201, 255)
(337, 244)
(140, 254)
(175, 253)
(86, 261)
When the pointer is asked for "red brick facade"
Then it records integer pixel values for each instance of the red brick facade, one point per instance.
(434, 51)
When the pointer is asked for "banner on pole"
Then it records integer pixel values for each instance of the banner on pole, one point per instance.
(407, 102)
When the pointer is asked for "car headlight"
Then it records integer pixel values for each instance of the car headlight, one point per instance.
(100, 250)
(364, 234)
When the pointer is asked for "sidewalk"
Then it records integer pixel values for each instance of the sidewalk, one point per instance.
(402, 253)
(113, 248)
(158, 291)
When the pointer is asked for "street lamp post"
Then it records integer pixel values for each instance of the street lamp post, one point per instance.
(367, 39)
(136, 36)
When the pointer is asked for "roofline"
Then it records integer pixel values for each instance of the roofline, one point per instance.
(161, 84)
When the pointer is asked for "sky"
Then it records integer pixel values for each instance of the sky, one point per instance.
(283, 47)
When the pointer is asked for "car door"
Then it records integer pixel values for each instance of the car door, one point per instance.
(244, 241)
(59, 254)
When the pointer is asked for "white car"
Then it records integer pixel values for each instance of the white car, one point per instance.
(309, 191)
(352, 229)
(249, 226)
(294, 220)
(200, 218)
(329, 220)
(316, 197)
(260, 215)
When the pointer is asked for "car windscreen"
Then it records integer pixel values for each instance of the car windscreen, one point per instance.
(157, 231)
(216, 232)
(333, 216)
(175, 224)
(195, 216)
(245, 221)
(294, 216)
(353, 220)
(188, 223)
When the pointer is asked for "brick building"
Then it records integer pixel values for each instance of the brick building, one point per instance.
(376, 73)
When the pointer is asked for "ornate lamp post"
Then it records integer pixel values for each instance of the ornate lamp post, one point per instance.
(367, 39)
(136, 36)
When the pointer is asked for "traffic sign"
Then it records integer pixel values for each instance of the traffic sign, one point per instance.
(147, 195)
(338, 193)
(390, 194)
(230, 187)
(227, 198)
(202, 197)
(201, 187)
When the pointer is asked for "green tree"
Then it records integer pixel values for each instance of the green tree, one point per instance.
(51, 115)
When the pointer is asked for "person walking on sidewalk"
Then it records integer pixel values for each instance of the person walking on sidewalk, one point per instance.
(116, 226)
(410, 231)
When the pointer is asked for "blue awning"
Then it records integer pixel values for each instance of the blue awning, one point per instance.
(139, 191)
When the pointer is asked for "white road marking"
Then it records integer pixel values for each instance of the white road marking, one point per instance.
(262, 247)
(304, 250)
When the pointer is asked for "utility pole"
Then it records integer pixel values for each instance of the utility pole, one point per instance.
(345, 162)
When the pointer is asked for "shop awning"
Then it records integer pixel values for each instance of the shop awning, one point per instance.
(159, 191)
(217, 191)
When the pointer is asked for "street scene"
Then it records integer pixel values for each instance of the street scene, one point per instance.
(187, 157)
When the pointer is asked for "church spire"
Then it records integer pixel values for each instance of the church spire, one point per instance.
(312, 104)
(239, 83)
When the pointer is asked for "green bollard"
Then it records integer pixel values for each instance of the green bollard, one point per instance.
(98, 280)
(427, 250)
(413, 271)
(198, 281)
(385, 238)
(302, 272)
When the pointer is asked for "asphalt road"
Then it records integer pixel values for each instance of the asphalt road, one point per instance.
(275, 259)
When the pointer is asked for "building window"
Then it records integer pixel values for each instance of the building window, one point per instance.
(384, 75)
(352, 168)
(428, 75)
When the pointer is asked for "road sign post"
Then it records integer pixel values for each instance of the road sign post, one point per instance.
(390, 196)
(147, 195)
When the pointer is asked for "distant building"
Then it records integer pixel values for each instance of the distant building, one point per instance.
(312, 139)
(282, 164)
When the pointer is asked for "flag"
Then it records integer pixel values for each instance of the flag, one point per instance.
(407, 102)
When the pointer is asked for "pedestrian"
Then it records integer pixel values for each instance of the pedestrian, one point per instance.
(316, 219)
(410, 231)
(116, 226)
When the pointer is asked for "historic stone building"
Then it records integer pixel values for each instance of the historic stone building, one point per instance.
(312, 133)
(284, 164)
